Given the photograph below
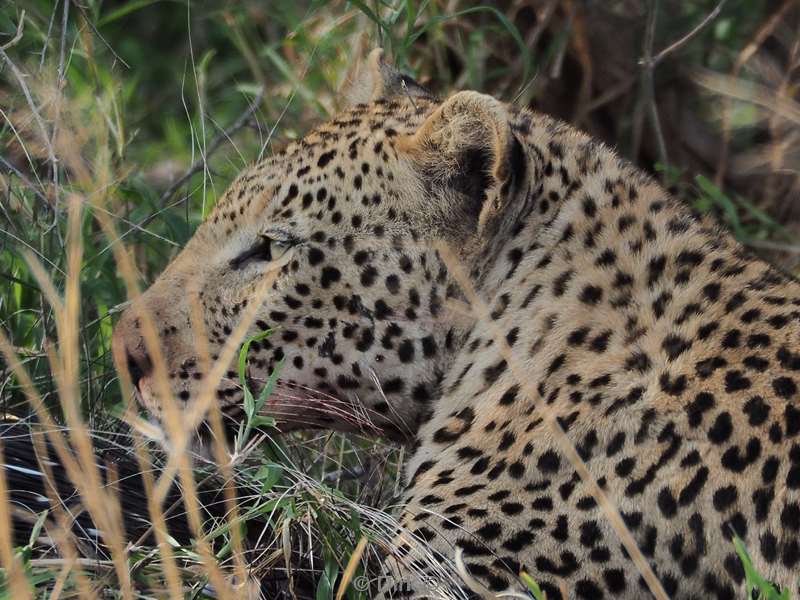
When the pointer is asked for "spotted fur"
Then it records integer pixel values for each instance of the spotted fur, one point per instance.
(670, 356)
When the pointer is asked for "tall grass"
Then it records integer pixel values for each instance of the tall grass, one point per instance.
(120, 126)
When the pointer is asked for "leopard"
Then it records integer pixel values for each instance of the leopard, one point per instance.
(570, 353)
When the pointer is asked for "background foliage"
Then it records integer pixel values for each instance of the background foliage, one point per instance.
(146, 109)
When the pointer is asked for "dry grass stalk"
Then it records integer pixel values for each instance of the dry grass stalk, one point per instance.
(220, 451)
(351, 567)
(97, 180)
(170, 567)
(18, 583)
(61, 532)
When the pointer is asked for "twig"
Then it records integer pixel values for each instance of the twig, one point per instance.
(676, 45)
(62, 50)
(18, 36)
(57, 108)
(27, 182)
(569, 28)
(43, 53)
(648, 81)
(91, 25)
(610, 94)
(776, 246)
(200, 163)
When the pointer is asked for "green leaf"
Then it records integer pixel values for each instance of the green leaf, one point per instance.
(262, 421)
(245, 349)
(37, 528)
(723, 202)
(125, 10)
(269, 386)
(327, 580)
(251, 405)
(268, 475)
(249, 402)
(532, 586)
(370, 14)
(763, 218)
(753, 579)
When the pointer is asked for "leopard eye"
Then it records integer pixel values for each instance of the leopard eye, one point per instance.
(266, 249)
(278, 248)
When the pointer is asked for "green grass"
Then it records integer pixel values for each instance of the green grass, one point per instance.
(757, 586)
(130, 95)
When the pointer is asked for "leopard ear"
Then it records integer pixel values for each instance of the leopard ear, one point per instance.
(371, 78)
(467, 146)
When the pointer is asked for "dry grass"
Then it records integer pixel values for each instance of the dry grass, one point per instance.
(100, 185)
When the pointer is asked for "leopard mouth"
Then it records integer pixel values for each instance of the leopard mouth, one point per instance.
(293, 406)
(296, 406)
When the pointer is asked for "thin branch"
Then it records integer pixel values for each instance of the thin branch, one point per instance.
(770, 245)
(691, 35)
(26, 182)
(649, 62)
(46, 43)
(18, 36)
(91, 25)
(648, 80)
(63, 45)
(59, 100)
(200, 163)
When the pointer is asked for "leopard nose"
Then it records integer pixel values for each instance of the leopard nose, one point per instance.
(138, 365)
(130, 354)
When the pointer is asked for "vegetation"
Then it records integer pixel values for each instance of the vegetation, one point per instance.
(121, 122)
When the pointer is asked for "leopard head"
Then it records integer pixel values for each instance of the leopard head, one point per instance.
(331, 245)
